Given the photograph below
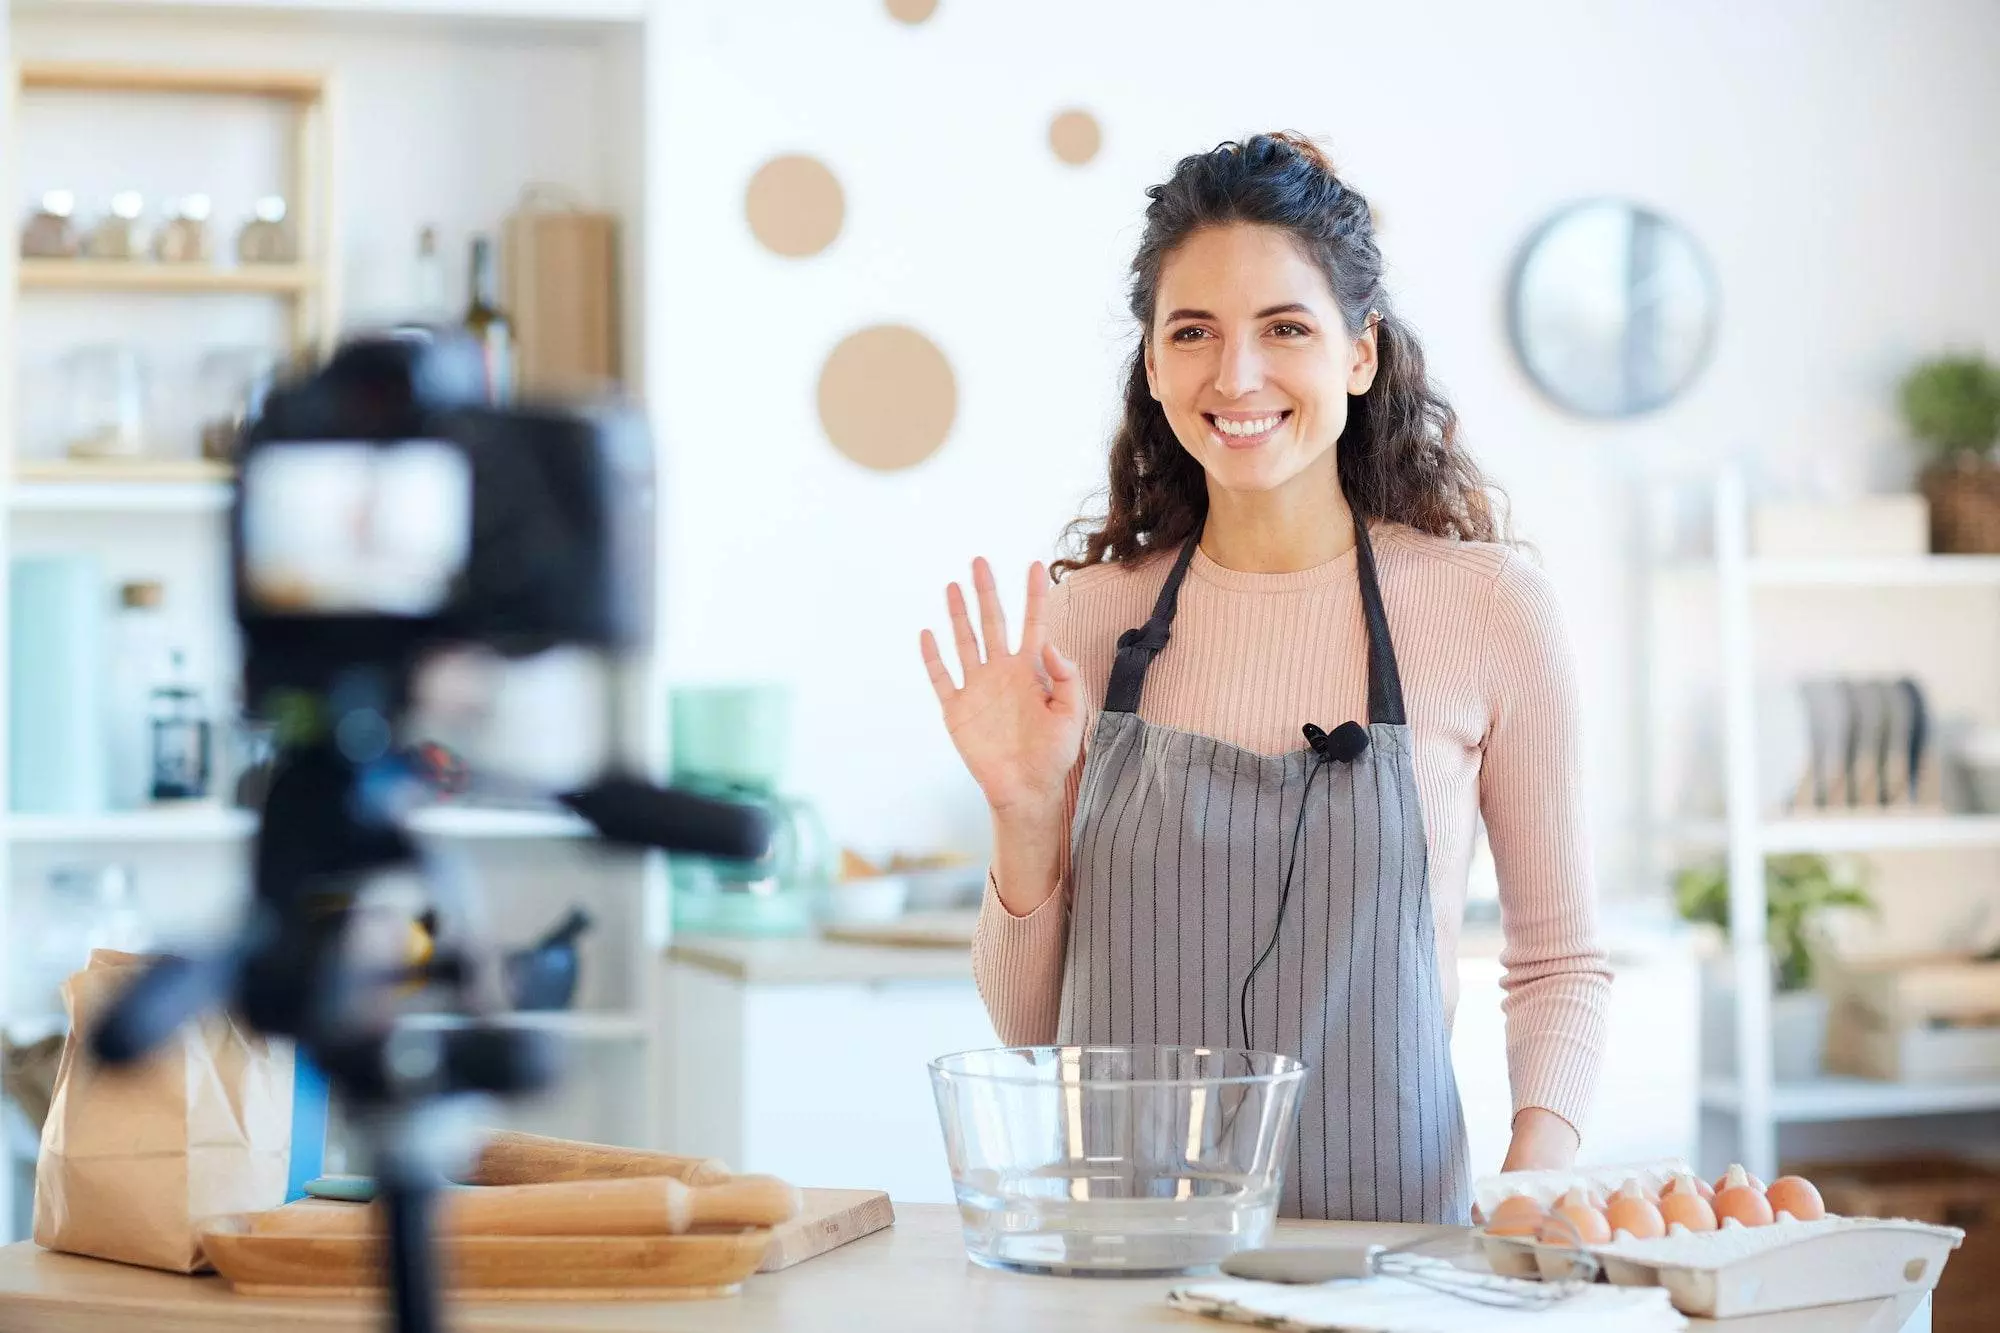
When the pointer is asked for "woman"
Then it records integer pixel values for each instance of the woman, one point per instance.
(1293, 536)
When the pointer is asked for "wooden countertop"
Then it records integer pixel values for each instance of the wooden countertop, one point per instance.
(1628, 936)
(912, 1279)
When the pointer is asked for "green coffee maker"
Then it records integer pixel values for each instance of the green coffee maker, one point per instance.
(733, 742)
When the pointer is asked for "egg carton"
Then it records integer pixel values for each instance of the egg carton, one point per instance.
(1739, 1270)
(1545, 1187)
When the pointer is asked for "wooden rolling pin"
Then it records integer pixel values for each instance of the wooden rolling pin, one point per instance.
(642, 1206)
(511, 1158)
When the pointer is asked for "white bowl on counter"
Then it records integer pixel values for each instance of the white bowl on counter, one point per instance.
(865, 902)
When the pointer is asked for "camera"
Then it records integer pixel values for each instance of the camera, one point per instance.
(385, 515)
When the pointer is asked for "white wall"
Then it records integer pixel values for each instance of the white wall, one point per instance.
(1835, 159)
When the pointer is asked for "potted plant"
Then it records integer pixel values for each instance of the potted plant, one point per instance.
(1798, 888)
(1951, 404)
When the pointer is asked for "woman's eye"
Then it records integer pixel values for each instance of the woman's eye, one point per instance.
(1290, 330)
(1191, 333)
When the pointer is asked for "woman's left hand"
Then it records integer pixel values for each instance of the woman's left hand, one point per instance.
(1543, 1141)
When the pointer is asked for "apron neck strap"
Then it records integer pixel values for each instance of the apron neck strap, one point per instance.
(1138, 647)
(1385, 683)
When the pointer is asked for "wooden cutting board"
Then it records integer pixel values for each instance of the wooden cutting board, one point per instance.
(829, 1219)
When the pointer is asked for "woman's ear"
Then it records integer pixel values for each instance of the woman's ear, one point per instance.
(1152, 384)
(1365, 361)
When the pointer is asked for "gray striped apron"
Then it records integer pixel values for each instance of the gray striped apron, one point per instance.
(1178, 855)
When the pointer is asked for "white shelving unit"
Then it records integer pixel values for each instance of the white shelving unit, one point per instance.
(589, 61)
(1881, 833)
(215, 823)
(1834, 1098)
(1748, 832)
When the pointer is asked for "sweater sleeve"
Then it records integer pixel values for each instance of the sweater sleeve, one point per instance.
(1557, 980)
(1017, 961)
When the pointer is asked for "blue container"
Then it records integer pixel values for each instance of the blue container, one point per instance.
(55, 750)
(309, 1110)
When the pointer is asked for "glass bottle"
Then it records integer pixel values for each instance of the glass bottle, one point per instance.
(488, 323)
(181, 764)
(427, 291)
(140, 663)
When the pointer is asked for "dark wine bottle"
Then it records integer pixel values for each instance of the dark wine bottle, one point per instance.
(488, 323)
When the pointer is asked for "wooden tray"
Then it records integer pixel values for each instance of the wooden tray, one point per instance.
(697, 1265)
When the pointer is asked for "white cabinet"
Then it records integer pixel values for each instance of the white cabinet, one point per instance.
(823, 1083)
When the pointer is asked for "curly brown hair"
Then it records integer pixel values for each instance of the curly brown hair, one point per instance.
(1398, 458)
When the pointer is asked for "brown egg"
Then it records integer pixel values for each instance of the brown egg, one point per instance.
(1687, 1208)
(1738, 1199)
(1798, 1196)
(1516, 1215)
(1574, 1220)
(1685, 1183)
(1738, 1170)
(1631, 1212)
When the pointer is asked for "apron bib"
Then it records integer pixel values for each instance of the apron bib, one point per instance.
(1177, 859)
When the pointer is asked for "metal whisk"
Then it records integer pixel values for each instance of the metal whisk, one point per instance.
(1328, 1263)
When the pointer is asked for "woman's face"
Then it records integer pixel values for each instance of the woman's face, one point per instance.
(1249, 358)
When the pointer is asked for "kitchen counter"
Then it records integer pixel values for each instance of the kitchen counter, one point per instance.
(912, 1279)
(815, 962)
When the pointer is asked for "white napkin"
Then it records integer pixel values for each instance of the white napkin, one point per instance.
(1397, 1305)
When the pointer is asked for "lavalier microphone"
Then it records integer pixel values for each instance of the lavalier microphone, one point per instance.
(1344, 746)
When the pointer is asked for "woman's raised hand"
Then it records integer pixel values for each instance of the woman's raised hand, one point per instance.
(1017, 719)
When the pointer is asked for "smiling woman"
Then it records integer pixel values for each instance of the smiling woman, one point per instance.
(1293, 535)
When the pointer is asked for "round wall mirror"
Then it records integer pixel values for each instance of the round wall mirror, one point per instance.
(1613, 309)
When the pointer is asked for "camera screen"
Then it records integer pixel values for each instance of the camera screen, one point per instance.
(337, 528)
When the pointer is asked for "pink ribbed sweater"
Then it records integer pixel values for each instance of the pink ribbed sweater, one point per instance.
(1491, 690)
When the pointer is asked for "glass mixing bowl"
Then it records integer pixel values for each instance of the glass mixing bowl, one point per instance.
(1115, 1160)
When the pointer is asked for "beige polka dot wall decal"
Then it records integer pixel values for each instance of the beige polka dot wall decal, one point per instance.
(911, 11)
(795, 205)
(887, 397)
(1075, 137)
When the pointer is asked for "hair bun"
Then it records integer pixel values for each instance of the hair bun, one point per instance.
(1312, 153)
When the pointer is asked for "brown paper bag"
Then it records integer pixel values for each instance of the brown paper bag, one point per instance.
(133, 1159)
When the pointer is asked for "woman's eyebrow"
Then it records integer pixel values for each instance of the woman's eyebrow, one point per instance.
(1290, 308)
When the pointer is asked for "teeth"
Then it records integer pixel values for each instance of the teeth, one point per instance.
(1254, 427)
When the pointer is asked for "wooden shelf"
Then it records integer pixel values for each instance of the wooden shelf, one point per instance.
(121, 472)
(97, 76)
(113, 497)
(146, 275)
(1834, 1098)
